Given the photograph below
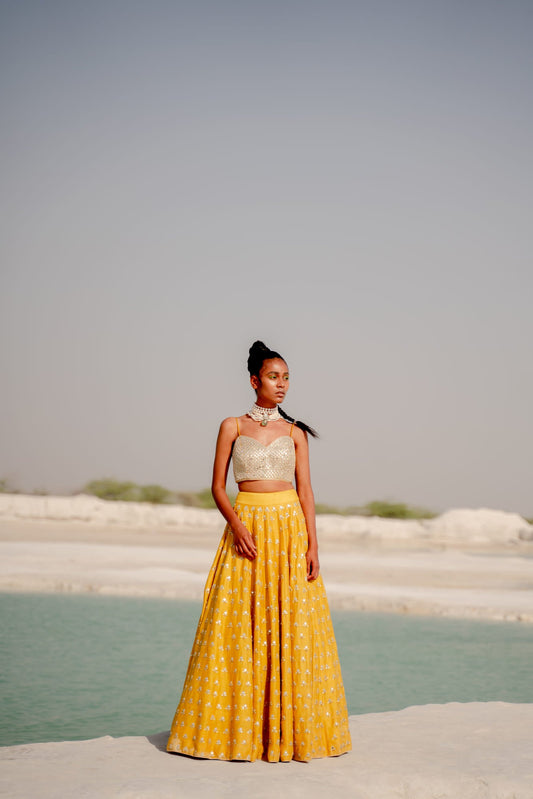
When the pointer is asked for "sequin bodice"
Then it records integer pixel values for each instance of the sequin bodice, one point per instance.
(253, 460)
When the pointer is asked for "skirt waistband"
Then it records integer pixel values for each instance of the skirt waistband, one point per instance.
(266, 497)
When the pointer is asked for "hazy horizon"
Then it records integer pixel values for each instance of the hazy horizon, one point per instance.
(350, 182)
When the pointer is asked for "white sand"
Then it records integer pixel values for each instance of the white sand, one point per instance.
(452, 751)
(459, 525)
(487, 576)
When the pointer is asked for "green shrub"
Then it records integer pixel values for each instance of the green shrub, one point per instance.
(111, 489)
(196, 499)
(395, 510)
(205, 498)
(156, 494)
(320, 507)
(7, 488)
(378, 507)
(187, 498)
(200, 499)
(126, 491)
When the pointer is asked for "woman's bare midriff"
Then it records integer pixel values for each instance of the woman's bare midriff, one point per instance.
(262, 486)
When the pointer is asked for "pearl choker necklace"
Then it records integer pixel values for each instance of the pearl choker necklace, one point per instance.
(264, 415)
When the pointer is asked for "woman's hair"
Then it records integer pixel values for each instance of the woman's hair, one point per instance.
(258, 354)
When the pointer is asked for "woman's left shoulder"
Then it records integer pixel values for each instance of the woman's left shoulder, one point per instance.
(299, 435)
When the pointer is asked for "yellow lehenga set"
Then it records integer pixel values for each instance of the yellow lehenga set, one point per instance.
(264, 679)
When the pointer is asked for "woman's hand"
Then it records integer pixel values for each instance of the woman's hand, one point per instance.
(313, 566)
(243, 542)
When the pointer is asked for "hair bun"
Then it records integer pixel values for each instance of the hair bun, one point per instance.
(258, 353)
(257, 347)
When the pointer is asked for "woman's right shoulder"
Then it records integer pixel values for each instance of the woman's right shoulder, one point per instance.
(230, 425)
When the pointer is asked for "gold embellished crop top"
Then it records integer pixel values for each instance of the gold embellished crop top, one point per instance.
(253, 460)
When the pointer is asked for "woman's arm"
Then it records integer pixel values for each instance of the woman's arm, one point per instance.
(242, 540)
(307, 500)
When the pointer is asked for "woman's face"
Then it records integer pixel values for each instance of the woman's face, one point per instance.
(272, 383)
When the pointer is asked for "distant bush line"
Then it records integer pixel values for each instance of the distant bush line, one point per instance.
(110, 489)
(379, 507)
(127, 491)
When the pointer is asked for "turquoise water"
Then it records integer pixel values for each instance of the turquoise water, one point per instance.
(74, 667)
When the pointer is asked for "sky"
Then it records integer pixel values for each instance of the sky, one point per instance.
(350, 182)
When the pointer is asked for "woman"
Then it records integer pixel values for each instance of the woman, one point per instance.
(264, 679)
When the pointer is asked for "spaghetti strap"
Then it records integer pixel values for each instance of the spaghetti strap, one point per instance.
(238, 430)
(292, 425)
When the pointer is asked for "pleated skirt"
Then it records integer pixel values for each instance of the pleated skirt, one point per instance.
(264, 679)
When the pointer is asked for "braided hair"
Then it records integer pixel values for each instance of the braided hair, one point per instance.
(258, 354)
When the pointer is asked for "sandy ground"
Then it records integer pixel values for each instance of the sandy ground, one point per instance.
(486, 582)
(452, 751)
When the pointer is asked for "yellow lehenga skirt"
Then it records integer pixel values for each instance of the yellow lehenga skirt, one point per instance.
(264, 680)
